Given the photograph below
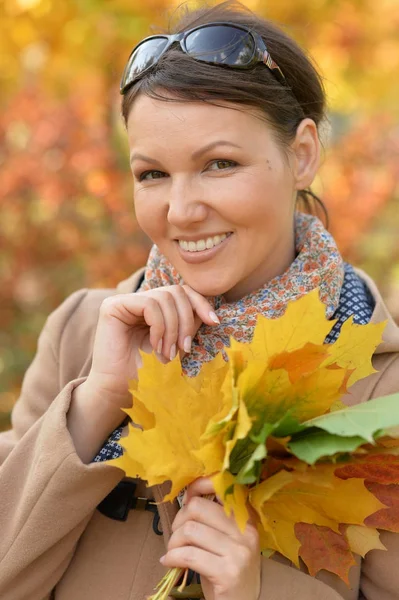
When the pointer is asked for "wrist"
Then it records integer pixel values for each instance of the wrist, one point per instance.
(90, 421)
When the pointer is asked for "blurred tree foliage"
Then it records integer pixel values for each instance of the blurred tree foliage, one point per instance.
(67, 218)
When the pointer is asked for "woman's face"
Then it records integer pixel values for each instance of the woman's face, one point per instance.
(214, 192)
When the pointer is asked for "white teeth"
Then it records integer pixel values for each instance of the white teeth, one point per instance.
(202, 244)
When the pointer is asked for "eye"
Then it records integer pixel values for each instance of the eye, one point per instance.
(143, 176)
(222, 161)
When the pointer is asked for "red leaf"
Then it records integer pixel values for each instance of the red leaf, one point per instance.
(322, 548)
(386, 518)
(379, 468)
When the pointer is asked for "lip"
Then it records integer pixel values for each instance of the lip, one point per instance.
(202, 255)
(196, 238)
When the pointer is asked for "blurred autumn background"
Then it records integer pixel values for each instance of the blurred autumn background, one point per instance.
(67, 218)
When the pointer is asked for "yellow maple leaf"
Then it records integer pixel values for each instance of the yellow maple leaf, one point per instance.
(363, 539)
(242, 427)
(274, 394)
(354, 348)
(304, 321)
(234, 497)
(173, 449)
(288, 367)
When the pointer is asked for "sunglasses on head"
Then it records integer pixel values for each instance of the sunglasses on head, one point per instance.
(220, 43)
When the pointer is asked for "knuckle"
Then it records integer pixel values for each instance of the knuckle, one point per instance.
(172, 543)
(244, 556)
(152, 306)
(189, 530)
(167, 296)
(194, 506)
(158, 327)
(253, 537)
(108, 303)
(179, 290)
(151, 302)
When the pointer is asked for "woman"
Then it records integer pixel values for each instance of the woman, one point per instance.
(223, 135)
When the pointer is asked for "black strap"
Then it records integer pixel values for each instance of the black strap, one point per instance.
(140, 282)
(122, 499)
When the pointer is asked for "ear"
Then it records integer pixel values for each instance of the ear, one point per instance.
(306, 149)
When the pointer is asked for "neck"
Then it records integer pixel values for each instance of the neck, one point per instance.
(283, 256)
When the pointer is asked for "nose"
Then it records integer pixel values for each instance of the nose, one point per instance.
(185, 205)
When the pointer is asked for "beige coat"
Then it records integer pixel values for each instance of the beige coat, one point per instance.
(54, 544)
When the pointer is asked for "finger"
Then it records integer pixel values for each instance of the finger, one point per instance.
(167, 305)
(202, 306)
(203, 486)
(207, 512)
(155, 319)
(130, 309)
(185, 312)
(200, 487)
(190, 557)
(193, 533)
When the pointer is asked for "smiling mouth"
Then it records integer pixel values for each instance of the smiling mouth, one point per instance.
(204, 244)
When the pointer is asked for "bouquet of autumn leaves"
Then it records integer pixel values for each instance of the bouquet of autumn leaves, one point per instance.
(270, 430)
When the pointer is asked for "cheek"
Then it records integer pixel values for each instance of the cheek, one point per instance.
(148, 215)
(260, 201)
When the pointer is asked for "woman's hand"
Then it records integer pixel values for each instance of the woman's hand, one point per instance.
(205, 540)
(162, 319)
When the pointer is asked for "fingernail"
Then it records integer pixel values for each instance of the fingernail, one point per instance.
(173, 352)
(162, 559)
(214, 317)
(159, 349)
(187, 344)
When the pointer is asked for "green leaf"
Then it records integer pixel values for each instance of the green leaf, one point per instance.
(247, 453)
(261, 437)
(229, 490)
(250, 472)
(240, 454)
(312, 445)
(363, 420)
(287, 425)
(213, 428)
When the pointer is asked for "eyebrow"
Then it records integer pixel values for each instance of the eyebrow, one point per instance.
(195, 155)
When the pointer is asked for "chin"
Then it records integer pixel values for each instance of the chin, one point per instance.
(208, 287)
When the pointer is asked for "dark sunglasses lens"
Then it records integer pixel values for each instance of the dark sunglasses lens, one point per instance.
(221, 44)
(142, 58)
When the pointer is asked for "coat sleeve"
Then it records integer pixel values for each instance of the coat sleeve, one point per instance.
(282, 581)
(47, 494)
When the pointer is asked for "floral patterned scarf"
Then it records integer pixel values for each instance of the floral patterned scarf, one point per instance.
(318, 263)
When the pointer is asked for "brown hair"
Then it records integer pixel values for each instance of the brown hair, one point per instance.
(282, 106)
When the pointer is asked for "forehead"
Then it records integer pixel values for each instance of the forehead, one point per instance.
(149, 117)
